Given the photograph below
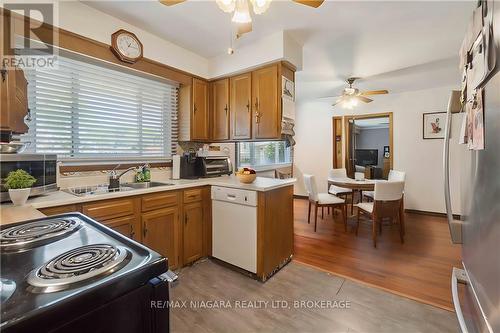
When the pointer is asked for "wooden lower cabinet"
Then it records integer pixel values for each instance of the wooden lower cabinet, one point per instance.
(176, 224)
(161, 233)
(123, 225)
(274, 230)
(193, 232)
(49, 211)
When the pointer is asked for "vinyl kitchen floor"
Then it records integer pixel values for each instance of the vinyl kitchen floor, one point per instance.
(207, 283)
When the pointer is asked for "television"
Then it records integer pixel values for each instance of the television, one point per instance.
(366, 157)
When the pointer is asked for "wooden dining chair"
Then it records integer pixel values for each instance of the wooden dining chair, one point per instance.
(337, 190)
(388, 200)
(394, 176)
(322, 200)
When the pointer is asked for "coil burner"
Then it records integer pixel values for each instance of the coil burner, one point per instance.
(78, 265)
(33, 234)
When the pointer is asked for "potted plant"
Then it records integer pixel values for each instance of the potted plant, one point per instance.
(19, 184)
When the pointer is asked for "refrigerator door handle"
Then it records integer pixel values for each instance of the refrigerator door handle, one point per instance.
(458, 276)
(455, 226)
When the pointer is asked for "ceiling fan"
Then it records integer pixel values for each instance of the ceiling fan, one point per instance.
(242, 12)
(351, 96)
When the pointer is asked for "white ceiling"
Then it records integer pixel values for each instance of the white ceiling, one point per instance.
(391, 44)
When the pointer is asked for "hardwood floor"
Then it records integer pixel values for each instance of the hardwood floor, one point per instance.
(419, 269)
(305, 291)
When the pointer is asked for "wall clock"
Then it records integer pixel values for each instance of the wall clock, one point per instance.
(126, 46)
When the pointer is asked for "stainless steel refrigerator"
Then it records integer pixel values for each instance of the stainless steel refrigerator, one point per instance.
(476, 285)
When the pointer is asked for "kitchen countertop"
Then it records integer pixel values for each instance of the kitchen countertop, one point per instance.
(10, 213)
(13, 214)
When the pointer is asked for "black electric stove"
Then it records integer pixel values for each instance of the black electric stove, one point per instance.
(69, 273)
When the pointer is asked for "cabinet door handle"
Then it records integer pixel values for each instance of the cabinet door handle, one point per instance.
(145, 231)
(256, 103)
(194, 108)
(248, 106)
(226, 109)
(185, 219)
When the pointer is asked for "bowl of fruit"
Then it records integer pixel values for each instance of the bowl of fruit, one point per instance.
(246, 175)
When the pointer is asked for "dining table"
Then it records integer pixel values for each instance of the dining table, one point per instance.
(360, 185)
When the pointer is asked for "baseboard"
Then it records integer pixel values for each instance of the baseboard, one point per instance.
(424, 212)
(410, 211)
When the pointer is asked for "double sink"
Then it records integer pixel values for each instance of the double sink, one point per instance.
(83, 191)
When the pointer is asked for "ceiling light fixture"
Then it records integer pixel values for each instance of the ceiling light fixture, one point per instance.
(227, 6)
(260, 6)
(242, 13)
(241, 8)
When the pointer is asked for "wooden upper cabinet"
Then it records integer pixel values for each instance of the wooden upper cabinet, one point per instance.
(161, 233)
(220, 110)
(193, 232)
(14, 101)
(200, 124)
(241, 106)
(265, 95)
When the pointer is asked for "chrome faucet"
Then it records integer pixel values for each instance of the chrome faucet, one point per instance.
(114, 178)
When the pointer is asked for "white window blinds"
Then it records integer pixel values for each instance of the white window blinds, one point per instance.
(82, 110)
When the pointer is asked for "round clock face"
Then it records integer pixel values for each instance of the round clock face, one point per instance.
(128, 46)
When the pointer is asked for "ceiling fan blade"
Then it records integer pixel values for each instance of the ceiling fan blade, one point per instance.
(171, 2)
(336, 96)
(337, 102)
(243, 28)
(374, 92)
(364, 99)
(310, 3)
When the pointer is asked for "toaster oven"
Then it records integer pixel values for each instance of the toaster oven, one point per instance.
(213, 166)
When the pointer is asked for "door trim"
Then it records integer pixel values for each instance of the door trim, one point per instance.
(365, 116)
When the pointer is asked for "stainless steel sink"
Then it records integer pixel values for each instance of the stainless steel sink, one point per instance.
(82, 191)
(146, 184)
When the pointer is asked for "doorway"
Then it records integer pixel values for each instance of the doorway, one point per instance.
(369, 145)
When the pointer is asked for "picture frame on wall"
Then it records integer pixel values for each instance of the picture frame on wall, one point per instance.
(433, 125)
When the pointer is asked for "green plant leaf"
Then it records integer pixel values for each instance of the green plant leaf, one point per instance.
(19, 179)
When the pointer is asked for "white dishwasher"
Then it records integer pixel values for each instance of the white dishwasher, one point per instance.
(234, 227)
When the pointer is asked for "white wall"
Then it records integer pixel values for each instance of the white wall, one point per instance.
(420, 159)
(89, 22)
(275, 47)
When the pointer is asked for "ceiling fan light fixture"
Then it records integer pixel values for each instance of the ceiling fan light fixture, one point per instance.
(242, 13)
(227, 6)
(350, 103)
(260, 6)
